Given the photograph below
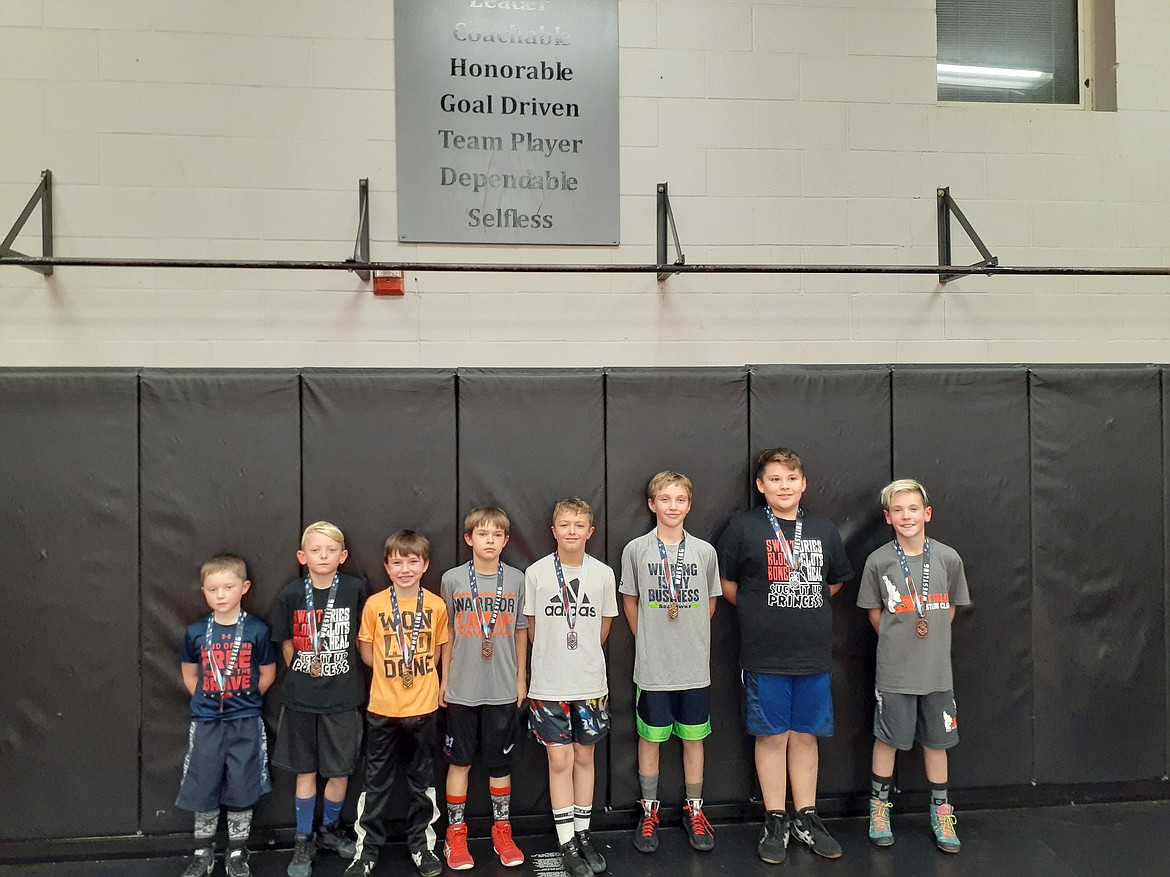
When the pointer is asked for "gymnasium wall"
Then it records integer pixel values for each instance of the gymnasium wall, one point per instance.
(803, 131)
(116, 484)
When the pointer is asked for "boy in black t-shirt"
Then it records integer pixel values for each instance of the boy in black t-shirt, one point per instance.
(779, 567)
(320, 727)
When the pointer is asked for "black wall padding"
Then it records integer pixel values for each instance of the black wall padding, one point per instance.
(68, 509)
(693, 421)
(221, 472)
(964, 435)
(1099, 588)
(379, 455)
(528, 438)
(378, 451)
(838, 420)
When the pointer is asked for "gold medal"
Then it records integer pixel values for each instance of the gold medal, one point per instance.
(486, 650)
(407, 678)
(315, 666)
(672, 611)
(922, 628)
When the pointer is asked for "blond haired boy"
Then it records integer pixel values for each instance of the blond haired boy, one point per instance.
(910, 588)
(486, 681)
(319, 731)
(669, 585)
(571, 600)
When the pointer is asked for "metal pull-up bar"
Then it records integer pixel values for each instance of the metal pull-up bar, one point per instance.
(364, 266)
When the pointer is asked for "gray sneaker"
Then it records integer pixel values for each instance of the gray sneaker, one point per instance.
(808, 829)
(237, 863)
(302, 860)
(201, 864)
(336, 838)
(773, 845)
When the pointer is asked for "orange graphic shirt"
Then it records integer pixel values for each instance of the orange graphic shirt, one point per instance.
(388, 695)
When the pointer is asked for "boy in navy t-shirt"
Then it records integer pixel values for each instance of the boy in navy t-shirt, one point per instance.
(228, 663)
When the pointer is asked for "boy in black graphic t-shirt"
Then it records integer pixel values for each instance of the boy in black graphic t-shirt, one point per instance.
(779, 567)
(319, 732)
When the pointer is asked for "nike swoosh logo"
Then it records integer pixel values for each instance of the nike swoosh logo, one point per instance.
(509, 748)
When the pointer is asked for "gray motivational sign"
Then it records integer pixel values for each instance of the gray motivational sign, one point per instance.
(507, 121)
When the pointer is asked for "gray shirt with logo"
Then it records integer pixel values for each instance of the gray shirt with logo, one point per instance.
(473, 680)
(671, 655)
(907, 663)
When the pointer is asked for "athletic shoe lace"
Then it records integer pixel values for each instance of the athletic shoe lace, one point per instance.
(649, 821)
(946, 822)
(502, 838)
(881, 816)
(699, 823)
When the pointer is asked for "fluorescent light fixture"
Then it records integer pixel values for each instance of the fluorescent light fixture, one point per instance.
(991, 77)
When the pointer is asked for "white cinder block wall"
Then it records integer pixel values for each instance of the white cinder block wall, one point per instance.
(789, 131)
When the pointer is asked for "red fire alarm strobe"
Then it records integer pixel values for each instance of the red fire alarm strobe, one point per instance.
(388, 284)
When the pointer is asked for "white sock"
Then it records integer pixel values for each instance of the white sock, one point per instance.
(581, 817)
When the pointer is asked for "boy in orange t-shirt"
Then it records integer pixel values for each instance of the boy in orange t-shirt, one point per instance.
(403, 637)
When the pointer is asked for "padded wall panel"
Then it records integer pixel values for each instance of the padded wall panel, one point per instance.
(378, 454)
(693, 421)
(527, 439)
(220, 472)
(1098, 574)
(964, 435)
(838, 420)
(69, 482)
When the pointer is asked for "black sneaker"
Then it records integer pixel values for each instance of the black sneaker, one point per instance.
(335, 838)
(360, 868)
(571, 861)
(428, 863)
(201, 864)
(699, 830)
(773, 845)
(808, 828)
(236, 863)
(646, 831)
(302, 860)
(594, 859)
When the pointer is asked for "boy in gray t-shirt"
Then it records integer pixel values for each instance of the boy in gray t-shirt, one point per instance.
(910, 589)
(485, 683)
(670, 581)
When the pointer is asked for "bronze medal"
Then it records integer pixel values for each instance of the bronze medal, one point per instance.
(407, 678)
(315, 666)
(571, 639)
(922, 628)
(486, 650)
(672, 611)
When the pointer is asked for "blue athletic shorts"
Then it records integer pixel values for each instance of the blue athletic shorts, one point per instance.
(226, 764)
(686, 714)
(775, 703)
(569, 721)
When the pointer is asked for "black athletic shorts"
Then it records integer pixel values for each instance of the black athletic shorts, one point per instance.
(488, 734)
(327, 744)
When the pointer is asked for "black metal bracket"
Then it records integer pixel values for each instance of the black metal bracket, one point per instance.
(946, 209)
(666, 215)
(43, 196)
(361, 246)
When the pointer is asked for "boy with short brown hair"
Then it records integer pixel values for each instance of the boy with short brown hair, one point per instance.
(574, 598)
(402, 638)
(228, 663)
(486, 681)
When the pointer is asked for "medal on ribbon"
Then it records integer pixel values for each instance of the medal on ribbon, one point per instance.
(488, 626)
(921, 626)
(407, 657)
(672, 605)
(315, 664)
(225, 673)
(791, 556)
(570, 607)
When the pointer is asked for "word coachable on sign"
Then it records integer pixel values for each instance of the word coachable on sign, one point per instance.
(556, 72)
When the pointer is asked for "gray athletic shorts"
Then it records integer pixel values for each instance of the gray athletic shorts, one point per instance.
(931, 719)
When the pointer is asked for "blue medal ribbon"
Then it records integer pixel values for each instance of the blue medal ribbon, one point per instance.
(678, 566)
(237, 638)
(919, 603)
(791, 556)
(407, 658)
(311, 611)
(486, 626)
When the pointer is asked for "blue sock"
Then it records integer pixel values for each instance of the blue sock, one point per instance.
(332, 812)
(305, 808)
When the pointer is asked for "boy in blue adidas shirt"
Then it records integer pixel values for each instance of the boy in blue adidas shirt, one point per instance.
(228, 663)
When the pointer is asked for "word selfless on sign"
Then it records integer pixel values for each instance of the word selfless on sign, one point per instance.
(507, 121)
